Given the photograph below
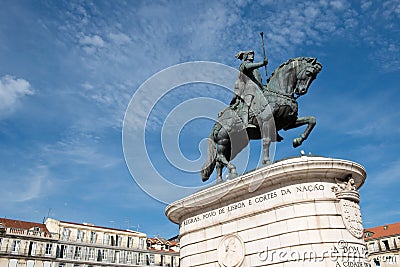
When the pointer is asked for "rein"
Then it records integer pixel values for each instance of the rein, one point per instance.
(280, 94)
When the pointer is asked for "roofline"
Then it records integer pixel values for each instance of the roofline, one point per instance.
(381, 237)
(42, 225)
(104, 227)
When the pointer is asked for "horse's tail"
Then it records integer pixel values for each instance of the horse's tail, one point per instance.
(209, 166)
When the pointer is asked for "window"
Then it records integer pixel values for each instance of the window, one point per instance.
(65, 234)
(140, 258)
(36, 230)
(117, 256)
(129, 243)
(79, 236)
(30, 263)
(15, 246)
(386, 243)
(151, 259)
(129, 257)
(49, 248)
(104, 254)
(99, 256)
(61, 265)
(91, 253)
(32, 248)
(105, 239)
(123, 256)
(118, 240)
(172, 261)
(377, 263)
(368, 234)
(141, 243)
(93, 237)
(60, 250)
(13, 263)
(390, 260)
(371, 247)
(71, 251)
(78, 253)
(135, 258)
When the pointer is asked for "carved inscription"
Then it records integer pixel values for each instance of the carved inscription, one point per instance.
(258, 200)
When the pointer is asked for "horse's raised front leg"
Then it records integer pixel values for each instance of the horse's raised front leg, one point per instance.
(310, 121)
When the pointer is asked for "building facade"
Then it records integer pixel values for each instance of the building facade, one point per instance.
(67, 244)
(166, 252)
(26, 244)
(383, 243)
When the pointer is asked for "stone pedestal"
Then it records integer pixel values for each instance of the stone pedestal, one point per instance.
(297, 212)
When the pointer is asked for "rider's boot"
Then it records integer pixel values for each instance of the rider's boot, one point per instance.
(245, 118)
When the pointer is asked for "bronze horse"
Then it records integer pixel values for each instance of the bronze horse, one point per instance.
(273, 109)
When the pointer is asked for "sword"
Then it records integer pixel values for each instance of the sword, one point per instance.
(263, 49)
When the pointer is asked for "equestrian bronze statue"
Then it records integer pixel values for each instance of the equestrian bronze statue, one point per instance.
(259, 111)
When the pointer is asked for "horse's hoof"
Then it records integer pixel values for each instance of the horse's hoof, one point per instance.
(204, 179)
(233, 176)
(297, 142)
(266, 162)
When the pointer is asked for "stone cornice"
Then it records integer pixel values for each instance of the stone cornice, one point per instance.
(304, 167)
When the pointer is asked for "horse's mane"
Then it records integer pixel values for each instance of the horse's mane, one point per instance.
(307, 59)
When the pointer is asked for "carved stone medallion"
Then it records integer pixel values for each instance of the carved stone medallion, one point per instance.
(230, 251)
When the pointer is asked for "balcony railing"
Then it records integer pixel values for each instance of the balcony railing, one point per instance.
(31, 233)
(40, 253)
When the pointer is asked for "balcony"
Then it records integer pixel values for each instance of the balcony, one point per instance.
(30, 233)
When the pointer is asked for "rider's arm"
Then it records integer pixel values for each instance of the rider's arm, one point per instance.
(252, 66)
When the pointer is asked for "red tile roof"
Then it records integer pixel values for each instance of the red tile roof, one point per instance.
(156, 240)
(174, 243)
(163, 241)
(8, 223)
(382, 231)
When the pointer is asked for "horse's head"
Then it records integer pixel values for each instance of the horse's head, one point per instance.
(306, 71)
(294, 76)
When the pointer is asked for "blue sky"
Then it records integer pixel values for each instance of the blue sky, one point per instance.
(69, 70)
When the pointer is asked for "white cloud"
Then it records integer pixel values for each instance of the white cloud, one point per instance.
(94, 40)
(366, 5)
(119, 38)
(87, 85)
(81, 150)
(34, 184)
(11, 90)
(337, 4)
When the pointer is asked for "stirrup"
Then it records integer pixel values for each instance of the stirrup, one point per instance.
(249, 125)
